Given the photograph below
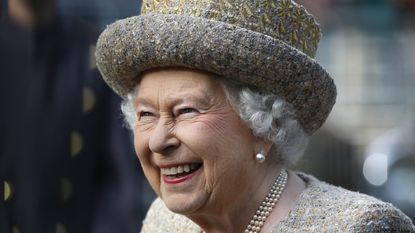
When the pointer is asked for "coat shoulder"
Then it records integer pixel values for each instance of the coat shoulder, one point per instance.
(382, 217)
(335, 209)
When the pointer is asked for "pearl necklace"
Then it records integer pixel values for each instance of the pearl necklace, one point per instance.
(264, 210)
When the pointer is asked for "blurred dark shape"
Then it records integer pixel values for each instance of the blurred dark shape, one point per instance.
(67, 165)
(101, 12)
(43, 11)
(331, 159)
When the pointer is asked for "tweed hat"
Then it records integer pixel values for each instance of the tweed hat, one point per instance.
(268, 45)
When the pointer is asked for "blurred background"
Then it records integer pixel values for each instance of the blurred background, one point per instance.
(367, 144)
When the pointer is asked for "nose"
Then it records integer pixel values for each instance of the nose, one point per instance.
(162, 139)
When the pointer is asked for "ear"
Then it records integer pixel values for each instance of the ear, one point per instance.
(263, 145)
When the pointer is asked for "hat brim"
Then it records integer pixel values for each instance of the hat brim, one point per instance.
(136, 44)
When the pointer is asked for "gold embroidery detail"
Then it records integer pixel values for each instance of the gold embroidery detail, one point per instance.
(271, 3)
(281, 19)
(266, 19)
(248, 11)
(281, 28)
(227, 4)
(295, 37)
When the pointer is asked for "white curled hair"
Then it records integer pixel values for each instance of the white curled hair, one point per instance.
(128, 109)
(268, 116)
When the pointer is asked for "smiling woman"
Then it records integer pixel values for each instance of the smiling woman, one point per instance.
(194, 147)
(221, 101)
(208, 139)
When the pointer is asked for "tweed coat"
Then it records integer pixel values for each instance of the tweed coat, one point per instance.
(320, 208)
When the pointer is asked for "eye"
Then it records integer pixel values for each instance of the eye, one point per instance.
(144, 114)
(187, 110)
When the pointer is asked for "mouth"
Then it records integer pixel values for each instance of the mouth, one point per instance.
(180, 173)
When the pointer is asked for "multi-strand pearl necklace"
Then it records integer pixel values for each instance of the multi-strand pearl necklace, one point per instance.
(268, 204)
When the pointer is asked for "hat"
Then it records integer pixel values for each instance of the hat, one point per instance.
(268, 45)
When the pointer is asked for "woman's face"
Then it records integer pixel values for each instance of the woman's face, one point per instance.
(193, 147)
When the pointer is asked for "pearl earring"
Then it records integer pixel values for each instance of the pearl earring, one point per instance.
(260, 158)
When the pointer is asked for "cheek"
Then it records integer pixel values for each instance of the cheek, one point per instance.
(143, 153)
(223, 142)
(140, 143)
(206, 136)
(214, 126)
(142, 149)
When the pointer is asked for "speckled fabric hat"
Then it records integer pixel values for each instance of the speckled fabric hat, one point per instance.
(265, 44)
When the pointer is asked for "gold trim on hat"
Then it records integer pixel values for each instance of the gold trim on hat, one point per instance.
(281, 19)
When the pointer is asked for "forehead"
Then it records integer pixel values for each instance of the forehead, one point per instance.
(174, 81)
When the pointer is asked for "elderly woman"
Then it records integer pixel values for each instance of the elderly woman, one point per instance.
(222, 96)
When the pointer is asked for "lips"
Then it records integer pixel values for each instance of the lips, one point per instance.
(179, 173)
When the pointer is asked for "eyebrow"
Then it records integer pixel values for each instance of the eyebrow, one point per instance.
(202, 97)
(144, 102)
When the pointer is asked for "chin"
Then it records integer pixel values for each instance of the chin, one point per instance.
(185, 204)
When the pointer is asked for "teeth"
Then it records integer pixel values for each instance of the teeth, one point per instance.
(186, 168)
(178, 170)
